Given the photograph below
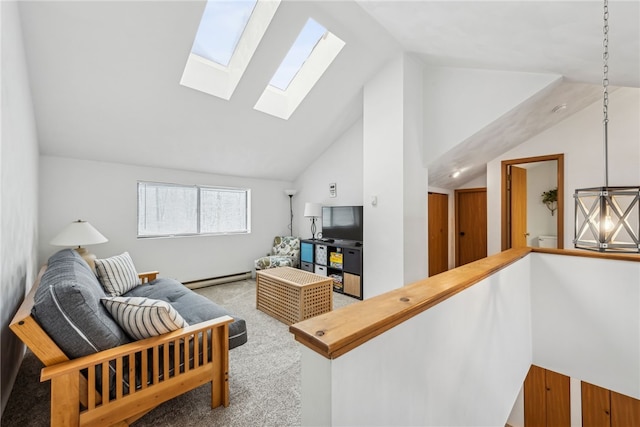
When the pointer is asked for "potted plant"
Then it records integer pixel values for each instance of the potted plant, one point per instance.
(550, 199)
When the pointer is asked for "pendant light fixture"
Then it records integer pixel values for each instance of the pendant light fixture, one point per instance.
(607, 218)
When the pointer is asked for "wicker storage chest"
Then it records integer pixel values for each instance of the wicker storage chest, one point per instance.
(291, 295)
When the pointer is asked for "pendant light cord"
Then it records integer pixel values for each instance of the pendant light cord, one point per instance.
(605, 85)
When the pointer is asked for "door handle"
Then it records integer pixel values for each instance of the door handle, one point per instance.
(526, 234)
(462, 233)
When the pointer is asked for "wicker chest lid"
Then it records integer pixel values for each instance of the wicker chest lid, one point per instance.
(293, 275)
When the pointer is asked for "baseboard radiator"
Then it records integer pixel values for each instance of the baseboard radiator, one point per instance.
(195, 284)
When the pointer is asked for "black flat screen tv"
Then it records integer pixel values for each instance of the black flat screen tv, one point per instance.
(342, 223)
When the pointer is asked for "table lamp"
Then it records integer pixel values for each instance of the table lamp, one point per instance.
(313, 211)
(80, 233)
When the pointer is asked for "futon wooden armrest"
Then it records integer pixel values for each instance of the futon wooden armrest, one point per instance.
(115, 387)
(132, 379)
(148, 276)
(80, 363)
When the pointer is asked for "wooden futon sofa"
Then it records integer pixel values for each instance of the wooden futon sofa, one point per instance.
(118, 384)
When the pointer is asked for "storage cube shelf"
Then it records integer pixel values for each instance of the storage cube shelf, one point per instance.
(340, 261)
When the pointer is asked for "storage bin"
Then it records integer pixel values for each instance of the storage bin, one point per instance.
(352, 261)
(321, 254)
(306, 252)
(321, 270)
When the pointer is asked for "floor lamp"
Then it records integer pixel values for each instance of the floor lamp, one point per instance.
(290, 193)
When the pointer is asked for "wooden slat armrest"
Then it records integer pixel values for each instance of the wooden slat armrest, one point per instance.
(148, 276)
(90, 360)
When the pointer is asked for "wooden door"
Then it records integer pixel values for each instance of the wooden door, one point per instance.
(535, 402)
(596, 406)
(625, 410)
(505, 226)
(438, 226)
(518, 207)
(603, 408)
(547, 399)
(471, 225)
(558, 399)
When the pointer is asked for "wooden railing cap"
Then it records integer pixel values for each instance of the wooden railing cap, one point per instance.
(337, 332)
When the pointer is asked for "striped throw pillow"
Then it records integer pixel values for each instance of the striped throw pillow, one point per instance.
(144, 317)
(117, 274)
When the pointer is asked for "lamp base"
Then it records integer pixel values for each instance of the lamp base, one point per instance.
(313, 228)
(88, 257)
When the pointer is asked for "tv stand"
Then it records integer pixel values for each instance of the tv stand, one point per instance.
(341, 260)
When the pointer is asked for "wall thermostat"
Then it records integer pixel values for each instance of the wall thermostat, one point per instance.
(332, 190)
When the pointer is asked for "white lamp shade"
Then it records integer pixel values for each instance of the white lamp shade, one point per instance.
(312, 210)
(78, 233)
(290, 192)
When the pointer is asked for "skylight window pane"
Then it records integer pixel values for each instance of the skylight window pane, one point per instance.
(298, 54)
(221, 26)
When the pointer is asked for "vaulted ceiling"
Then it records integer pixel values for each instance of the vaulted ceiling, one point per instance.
(105, 75)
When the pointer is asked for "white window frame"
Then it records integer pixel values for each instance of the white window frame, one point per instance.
(210, 77)
(198, 188)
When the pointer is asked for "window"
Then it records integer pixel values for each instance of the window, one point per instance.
(183, 210)
(309, 57)
(228, 35)
(220, 29)
(298, 54)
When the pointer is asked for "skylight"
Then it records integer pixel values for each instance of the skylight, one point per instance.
(221, 26)
(228, 36)
(298, 54)
(309, 57)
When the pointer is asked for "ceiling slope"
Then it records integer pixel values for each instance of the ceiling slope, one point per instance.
(536, 36)
(556, 38)
(520, 124)
(105, 76)
(105, 82)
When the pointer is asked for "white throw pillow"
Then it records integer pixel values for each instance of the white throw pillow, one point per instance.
(117, 274)
(144, 317)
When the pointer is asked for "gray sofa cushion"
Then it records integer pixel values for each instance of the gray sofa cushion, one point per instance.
(194, 308)
(67, 306)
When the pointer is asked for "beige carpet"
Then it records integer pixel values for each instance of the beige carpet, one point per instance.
(264, 376)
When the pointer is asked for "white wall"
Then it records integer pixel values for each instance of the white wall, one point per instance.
(395, 232)
(477, 182)
(461, 362)
(460, 101)
(383, 154)
(18, 191)
(341, 164)
(579, 137)
(105, 194)
(586, 321)
(585, 324)
(415, 176)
